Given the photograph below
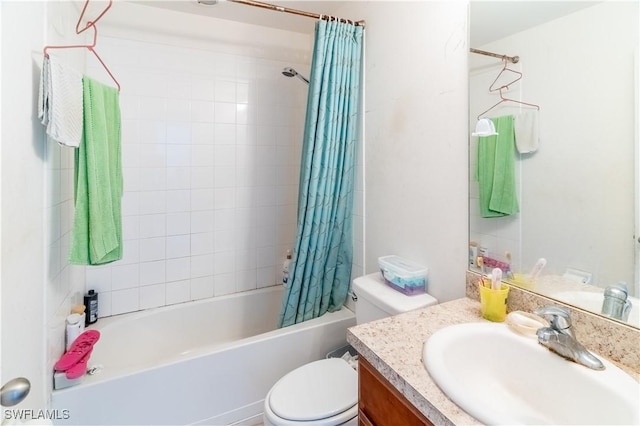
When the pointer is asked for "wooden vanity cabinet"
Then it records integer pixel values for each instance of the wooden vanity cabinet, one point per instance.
(380, 404)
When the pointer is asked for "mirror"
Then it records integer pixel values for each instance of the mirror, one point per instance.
(577, 193)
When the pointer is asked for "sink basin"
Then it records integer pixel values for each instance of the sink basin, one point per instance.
(501, 377)
(592, 301)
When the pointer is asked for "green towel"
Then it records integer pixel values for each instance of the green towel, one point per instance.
(496, 170)
(97, 225)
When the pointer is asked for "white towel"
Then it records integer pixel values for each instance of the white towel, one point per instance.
(525, 126)
(60, 102)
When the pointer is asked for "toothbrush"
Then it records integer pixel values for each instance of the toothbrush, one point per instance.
(496, 278)
(486, 281)
(507, 254)
(537, 268)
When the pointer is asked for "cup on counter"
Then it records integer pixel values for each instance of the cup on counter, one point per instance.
(493, 303)
(522, 280)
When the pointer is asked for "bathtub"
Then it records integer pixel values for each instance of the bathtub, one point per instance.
(209, 362)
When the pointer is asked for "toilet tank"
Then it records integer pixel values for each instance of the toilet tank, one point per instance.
(377, 300)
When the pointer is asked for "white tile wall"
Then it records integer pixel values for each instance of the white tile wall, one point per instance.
(211, 150)
(63, 283)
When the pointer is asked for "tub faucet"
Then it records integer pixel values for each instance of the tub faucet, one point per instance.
(559, 337)
(616, 304)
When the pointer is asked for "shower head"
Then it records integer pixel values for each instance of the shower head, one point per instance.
(290, 72)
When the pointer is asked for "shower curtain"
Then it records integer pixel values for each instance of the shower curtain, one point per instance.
(320, 270)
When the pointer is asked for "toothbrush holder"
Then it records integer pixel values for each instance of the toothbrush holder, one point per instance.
(493, 303)
(522, 281)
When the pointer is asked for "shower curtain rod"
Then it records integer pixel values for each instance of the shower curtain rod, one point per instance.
(360, 23)
(512, 59)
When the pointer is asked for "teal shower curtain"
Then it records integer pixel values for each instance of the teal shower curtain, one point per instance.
(320, 270)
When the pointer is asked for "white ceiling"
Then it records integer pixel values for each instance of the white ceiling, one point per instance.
(490, 20)
(493, 20)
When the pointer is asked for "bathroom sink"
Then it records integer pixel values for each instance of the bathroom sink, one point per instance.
(592, 301)
(501, 377)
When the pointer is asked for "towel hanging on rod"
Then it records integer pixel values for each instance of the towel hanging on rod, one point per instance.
(90, 47)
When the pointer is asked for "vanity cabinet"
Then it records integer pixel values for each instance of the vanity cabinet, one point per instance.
(380, 404)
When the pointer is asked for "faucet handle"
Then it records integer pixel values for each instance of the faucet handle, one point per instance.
(618, 291)
(559, 318)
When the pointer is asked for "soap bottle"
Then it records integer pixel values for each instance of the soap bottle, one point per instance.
(91, 303)
(285, 268)
(74, 327)
(473, 253)
(80, 310)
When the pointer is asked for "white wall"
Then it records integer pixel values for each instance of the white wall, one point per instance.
(416, 176)
(39, 287)
(22, 230)
(579, 71)
(211, 143)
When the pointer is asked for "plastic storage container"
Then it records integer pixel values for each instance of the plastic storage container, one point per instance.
(403, 275)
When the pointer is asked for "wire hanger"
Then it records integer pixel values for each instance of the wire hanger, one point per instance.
(504, 70)
(503, 99)
(90, 47)
(506, 86)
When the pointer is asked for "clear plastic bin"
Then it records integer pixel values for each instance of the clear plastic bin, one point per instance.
(403, 275)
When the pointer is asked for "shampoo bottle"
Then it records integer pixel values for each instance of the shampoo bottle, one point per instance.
(285, 268)
(91, 303)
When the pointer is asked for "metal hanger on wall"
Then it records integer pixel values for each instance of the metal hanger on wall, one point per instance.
(90, 47)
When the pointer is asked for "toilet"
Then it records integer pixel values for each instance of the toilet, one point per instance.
(325, 392)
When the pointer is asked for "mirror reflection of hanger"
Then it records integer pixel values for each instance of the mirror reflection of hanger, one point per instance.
(90, 47)
(504, 71)
(504, 99)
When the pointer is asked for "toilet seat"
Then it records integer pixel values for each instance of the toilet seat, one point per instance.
(323, 392)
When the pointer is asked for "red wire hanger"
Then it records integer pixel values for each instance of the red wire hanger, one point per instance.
(90, 47)
(504, 99)
(505, 70)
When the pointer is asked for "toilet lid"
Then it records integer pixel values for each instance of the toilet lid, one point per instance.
(315, 391)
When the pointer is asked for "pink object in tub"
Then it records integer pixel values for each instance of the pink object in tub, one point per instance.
(207, 362)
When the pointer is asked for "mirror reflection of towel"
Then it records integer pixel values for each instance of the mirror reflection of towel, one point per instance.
(527, 131)
(496, 171)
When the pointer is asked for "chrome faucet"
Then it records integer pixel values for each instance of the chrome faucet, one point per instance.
(559, 337)
(616, 304)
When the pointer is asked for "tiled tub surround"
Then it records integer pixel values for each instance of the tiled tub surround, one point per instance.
(211, 142)
(394, 346)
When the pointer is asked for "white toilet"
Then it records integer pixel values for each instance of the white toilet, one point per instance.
(325, 392)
